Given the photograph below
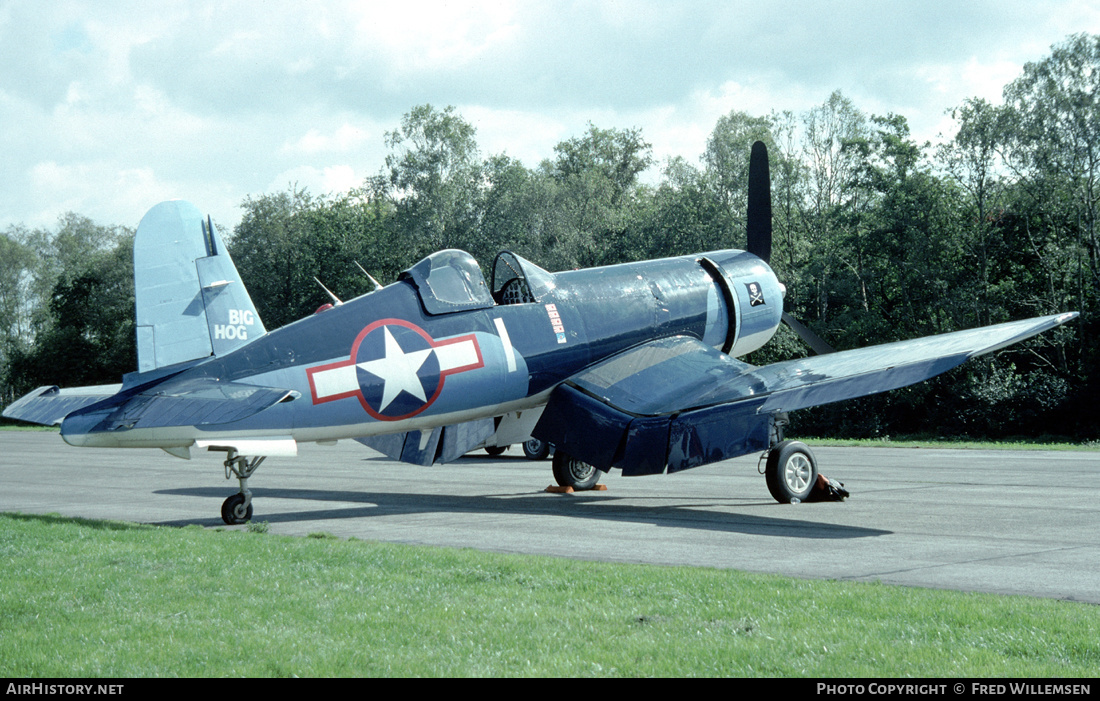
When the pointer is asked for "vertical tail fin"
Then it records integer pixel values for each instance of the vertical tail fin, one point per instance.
(190, 300)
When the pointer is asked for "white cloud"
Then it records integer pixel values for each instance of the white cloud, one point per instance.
(425, 35)
(319, 180)
(346, 138)
(339, 178)
(528, 136)
(108, 107)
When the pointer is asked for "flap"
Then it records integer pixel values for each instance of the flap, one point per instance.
(442, 444)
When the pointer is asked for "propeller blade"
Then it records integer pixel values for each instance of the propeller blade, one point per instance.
(758, 229)
(759, 214)
(815, 342)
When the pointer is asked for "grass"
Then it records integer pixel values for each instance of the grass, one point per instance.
(82, 598)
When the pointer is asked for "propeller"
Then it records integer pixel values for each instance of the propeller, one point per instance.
(759, 216)
(758, 230)
(811, 339)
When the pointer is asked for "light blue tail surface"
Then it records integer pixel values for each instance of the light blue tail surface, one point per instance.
(190, 300)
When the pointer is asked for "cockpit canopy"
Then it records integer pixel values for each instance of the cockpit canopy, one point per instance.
(451, 281)
(519, 281)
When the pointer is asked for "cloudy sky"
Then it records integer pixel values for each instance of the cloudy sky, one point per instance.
(107, 107)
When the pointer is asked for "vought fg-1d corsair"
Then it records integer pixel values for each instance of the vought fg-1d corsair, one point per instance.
(630, 366)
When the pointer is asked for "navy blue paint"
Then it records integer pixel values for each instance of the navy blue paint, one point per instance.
(717, 433)
(588, 429)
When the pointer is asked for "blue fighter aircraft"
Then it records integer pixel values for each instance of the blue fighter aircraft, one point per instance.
(628, 366)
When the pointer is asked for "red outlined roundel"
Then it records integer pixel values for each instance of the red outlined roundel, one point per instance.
(395, 369)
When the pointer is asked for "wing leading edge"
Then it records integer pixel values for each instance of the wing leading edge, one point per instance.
(678, 403)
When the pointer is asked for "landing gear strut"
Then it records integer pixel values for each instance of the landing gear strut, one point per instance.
(237, 509)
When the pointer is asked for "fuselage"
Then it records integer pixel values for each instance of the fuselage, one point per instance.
(417, 354)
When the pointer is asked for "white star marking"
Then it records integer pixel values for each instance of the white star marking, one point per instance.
(398, 371)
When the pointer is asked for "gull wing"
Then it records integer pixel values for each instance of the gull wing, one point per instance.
(678, 403)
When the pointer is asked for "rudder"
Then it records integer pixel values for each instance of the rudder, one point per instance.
(190, 300)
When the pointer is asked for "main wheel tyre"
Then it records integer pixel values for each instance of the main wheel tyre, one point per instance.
(791, 472)
(234, 512)
(495, 450)
(535, 449)
(570, 472)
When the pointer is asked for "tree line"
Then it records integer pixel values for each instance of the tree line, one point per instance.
(877, 237)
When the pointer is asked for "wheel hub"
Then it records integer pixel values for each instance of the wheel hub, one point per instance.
(580, 470)
(797, 472)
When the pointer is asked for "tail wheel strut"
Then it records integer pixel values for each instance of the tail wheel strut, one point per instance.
(237, 509)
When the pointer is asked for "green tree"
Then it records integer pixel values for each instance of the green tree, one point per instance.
(273, 250)
(68, 248)
(436, 172)
(727, 166)
(1052, 144)
(831, 207)
(351, 233)
(971, 159)
(515, 213)
(90, 335)
(17, 262)
(76, 323)
(908, 253)
(593, 182)
(288, 241)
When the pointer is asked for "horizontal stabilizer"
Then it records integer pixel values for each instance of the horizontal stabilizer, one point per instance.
(190, 402)
(49, 405)
(679, 403)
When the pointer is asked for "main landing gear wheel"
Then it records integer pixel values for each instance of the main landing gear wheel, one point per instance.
(535, 449)
(570, 472)
(791, 471)
(495, 450)
(235, 511)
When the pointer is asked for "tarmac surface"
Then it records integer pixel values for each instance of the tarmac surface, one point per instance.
(1009, 522)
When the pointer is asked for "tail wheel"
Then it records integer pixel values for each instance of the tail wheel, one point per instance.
(791, 472)
(234, 511)
(570, 472)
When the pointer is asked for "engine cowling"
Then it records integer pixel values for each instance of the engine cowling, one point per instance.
(753, 299)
